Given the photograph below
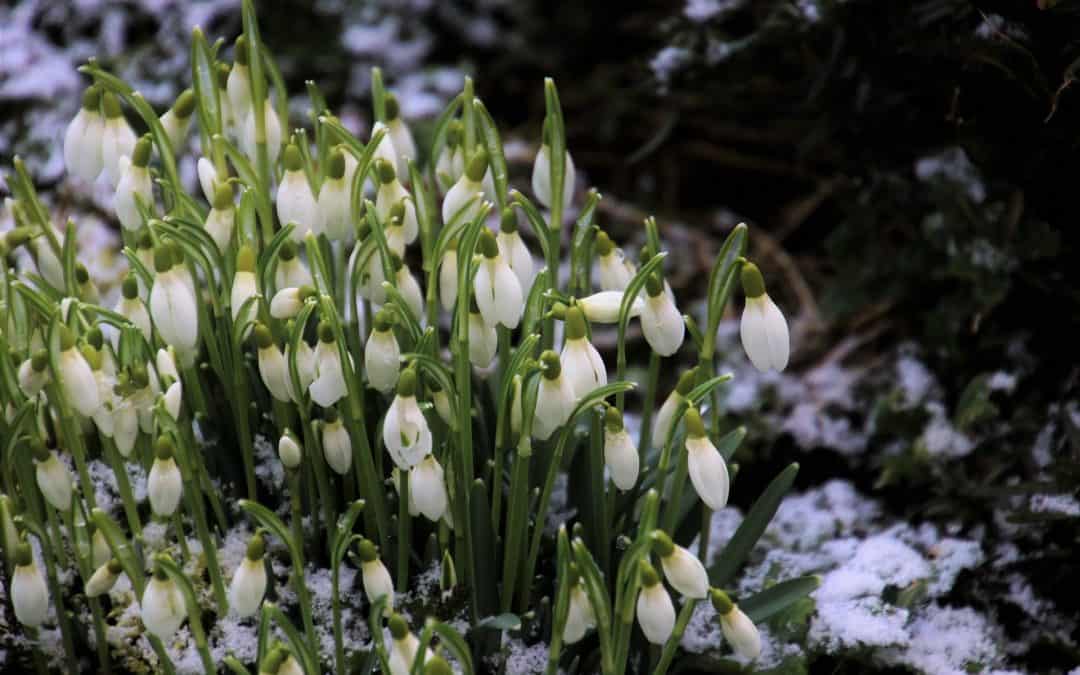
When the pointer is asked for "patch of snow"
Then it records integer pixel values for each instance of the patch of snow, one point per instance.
(1061, 505)
(952, 165)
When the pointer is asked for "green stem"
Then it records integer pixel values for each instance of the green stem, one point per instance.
(123, 485)
(672, 644)
(651, 385)
(516, 526)
(404, 532)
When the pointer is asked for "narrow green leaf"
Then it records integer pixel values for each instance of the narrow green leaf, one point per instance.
(775, 599)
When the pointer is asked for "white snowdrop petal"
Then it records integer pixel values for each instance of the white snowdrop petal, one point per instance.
(621, 458)
(603, 307)
(377, 581)
(164, 487)
(54, 480)
(427, 488)
(162, 608)
(78, 382)
(29, 595)
(382, 357)
(337, 447)
(483, 341)
(509, 300)
(741, 633)
(708, 472)
(662, 325)
(247, 587)
(580, 616)
(685, 573)
(448, 273)
(655, 614)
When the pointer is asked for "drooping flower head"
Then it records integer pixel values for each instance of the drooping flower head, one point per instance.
(763, 329)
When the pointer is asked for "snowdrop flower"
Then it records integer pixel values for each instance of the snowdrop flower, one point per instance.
(177, 119)
(117, 138)
(683, 570)
(483, 339)
(437, 665)
(620, 455)
(132, 308)
(53, 477)
(87, 292)
(513, 249)
(273, 132)
(372, 278)
(103, 417)
(541, 175)
(451, 162)
(614, 270)
(404, 647)
(286, 665)
(289, 451)
(134, 185)
(468, 187)
(99, 548)
(144, 392)
(660, 320)
(272, 367)
(655, 612)
(48, 264)
(296, 202)
(172, 304)
(405, 430)
(580, 616)
(555, 398)
(497, 289)
(448, 277)
(172, 398)
(580, 360)
(103, 579)
(763, 329)
(34, 374)
(427, 488)
(334, 200)
(77, 380)
(291, 271)
(221, 219)
(337, 446)
(400, 135)
(83, 138)
(708, 470)
(238, 84)
(382, 355)
(394, 206)
(208, 178)
(164, 484)
(29, 594)
(305, 367)
(385, 150)
(329, 384)
(441, 401)
(229, 121)
(408, 287)
(377, 581)
(737, 628)
(245, 285)
(162, 606)
(288, 302)
(125, 425)
(249, 581)
(666, 415)
(603, 307)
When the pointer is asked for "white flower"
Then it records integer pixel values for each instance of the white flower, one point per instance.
(382, 355)
(34, 373)
(245, 285)
(83, 138)
(208, 178)
(273, 133)
(289, 451)
(103, 416)
(441, 401)
(664, 418)
(448, 278)
(117, 138)
(541, 176)
(53, 478)
(132, 308)
(173, 397)
(99, 549)
(334, 200)
(580, 361)
(427, 488)
(76, 378)
(372, 278)
(221, 219)
(707, 468)
(483, 341)
(329, 384)
(164, 485)
(655, 612)
(337, 446)
(405, 430)
(409, 288)
(738, 629)
(451, 162)
(385, 150)
(238, 84)
(272, 366)
(660, 320)
(248, 584)
(125, 426)
(291, 271)
(580, 616)
(404, 647)
(763, 329)
(497, 289)
(603, 307)
(620, 455)
(296, 202)
(305, 369)
(177, 119)
(103, 578)
(400, 135)
(162, 607)
(683, 570)
(614, 271)
(555, 398)
(468, 187)
(288, 302)
(377, 581)
(172, 305)
(513, 250)
(29, 594)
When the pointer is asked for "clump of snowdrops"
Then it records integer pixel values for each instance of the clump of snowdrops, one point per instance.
(373, 308)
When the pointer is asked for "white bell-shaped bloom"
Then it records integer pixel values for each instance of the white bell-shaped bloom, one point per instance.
(99, 549)
(53, 478)
(448, 278)
(402, 138)
(245, 285)
(177, 120)
(103, 416)
(555, 398)
(272, 366)
(273, 133)
(29, 594)
(103, 579)
(117, 138)
(661, 321)
(328, 386)
(614, 271)
(334, 200)
(483, 341)
(372, 278)
(83, 138)
(655, 611)
(288, 302)
(34, 373)
(620, 455)
(683, 570)
(404, 647)
(48, 264)
(377, 581)
(427, 488)
(468, 187)
(451, 162)
(125, 426)
(173, 397)
(392, 193)
(291, 270)
(541, 175)
(172, 305)
(707, 468)
(441, 401)
(409, 288)
(738, 629)
(208, 178)
(248, 585)
(763, 328)
(162, 607)
(132, 308)
(289, 451)
(512, 249)
(385, 150)
(238, 85)
(296, 203)
(382, 355)
(305, 369)
(497, 289)
(76, 378)
(164, 486)
(580, 616)
(221, 220)
(337, 446)
(581, 362)
(666, 414)
(603, 307)
(405, 430)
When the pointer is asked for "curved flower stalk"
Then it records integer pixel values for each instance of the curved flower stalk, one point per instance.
(28, 592)
(296, 203)
(763, 329)
(83, 137)
(405, 430)
(134, 185)
(177, 120)
(620, 454)
(738, 629)
(117, 138)
(580, 360)
(248, 584)
(708, 470)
